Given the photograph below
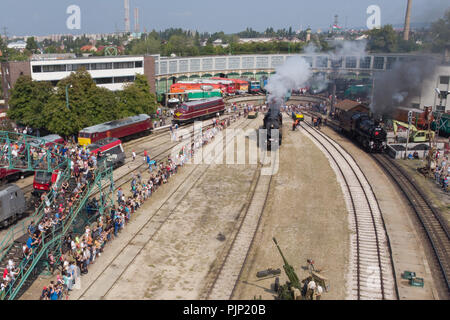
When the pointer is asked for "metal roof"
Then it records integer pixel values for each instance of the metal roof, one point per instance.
(115, 124)
(194, 103)
(8, 189)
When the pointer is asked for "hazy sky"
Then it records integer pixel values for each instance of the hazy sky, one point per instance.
(41, 17)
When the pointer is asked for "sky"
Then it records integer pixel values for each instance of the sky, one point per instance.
(43, 17)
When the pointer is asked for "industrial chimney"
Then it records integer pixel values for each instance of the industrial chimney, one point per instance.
(407, 21)
(127, 15)
(136, 20)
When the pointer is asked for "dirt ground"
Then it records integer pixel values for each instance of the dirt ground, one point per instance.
(175, 263)
(306, 213)
(408, 248)
(435, 194)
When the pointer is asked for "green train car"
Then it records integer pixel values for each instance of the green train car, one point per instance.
(444, 124)
(200, 94)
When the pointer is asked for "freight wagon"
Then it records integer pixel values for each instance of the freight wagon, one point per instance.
(124, 128)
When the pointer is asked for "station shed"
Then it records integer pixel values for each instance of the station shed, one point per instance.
(349, 107)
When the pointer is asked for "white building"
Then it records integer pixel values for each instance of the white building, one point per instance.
(19, 45)
(112, 73)
(429, 96)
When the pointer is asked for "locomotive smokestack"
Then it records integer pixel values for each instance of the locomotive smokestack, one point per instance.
(407, 21)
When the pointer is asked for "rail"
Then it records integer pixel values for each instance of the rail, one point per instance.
(436, 229)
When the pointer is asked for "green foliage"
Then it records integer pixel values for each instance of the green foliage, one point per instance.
(382, 40)
(32, 45)
(441, 33)
(27, 101)
(136, 98)
(38, 105)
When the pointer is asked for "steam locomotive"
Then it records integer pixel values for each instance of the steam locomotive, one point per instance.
(273, 120)
(365, 130)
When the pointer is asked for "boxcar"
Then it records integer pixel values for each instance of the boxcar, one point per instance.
(124, 128)
(12, 204)
(197, 110)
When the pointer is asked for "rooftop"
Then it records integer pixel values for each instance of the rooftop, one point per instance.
(347, 104)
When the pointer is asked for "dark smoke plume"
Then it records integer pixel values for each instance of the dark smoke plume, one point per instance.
(396, 87)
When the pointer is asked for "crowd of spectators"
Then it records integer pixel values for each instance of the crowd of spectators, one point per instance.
(442, 172)
(81, 251)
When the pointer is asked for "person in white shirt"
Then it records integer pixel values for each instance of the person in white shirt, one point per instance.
(311, 288)
(318, 292)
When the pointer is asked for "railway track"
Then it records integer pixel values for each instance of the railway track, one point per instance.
(223, 282)
(150, 228)
(434, 225)
(371, 266)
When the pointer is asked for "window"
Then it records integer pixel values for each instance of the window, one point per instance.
(444, 79)
(75, 67)
(336, 63)
(322, 62)
(37, 68)
(123, 65)
(101, 66)
(123, 79)
(350, 62)
(138, 64)
(364, 63)
(390, 62)
(54, 68)
(378, 63)
(103, 80)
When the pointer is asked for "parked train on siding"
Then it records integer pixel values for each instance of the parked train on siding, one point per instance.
(123, 128)
(198, 110)
(12, 204)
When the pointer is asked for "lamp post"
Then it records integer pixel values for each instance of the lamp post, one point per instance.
(67, 95)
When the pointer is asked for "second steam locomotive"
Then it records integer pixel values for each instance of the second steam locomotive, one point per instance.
(365, 130)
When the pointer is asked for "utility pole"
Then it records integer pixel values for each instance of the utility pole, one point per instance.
(407, 135)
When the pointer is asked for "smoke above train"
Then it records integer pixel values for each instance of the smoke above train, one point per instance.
(294, 73)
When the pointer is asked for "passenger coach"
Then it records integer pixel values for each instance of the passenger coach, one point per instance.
(140, 124)
(198, 110)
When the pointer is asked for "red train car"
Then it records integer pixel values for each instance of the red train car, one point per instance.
(197, 110)
(7, 175)
(111, 149)
(140, 124)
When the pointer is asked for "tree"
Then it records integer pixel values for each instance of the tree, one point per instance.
(32, 45)
(84, 105)
(382, 40)
(441, 33)
(136, 99)
(27, 101)
(149, 45)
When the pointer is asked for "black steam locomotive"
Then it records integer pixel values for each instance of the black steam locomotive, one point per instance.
(366, 131)
(273, 120)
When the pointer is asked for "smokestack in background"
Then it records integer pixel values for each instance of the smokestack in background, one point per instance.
(126, 5)
(136, 20)
(407, 21)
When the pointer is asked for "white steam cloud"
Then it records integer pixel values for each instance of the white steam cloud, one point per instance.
(293, 74)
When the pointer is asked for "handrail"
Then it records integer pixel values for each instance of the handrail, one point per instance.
(23, 275)
(21, 227)
(50, 153)
(12, 292)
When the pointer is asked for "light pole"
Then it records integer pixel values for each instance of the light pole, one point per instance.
(67, 95)
(407, 134)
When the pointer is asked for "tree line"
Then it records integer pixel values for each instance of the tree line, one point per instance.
(39, 105)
